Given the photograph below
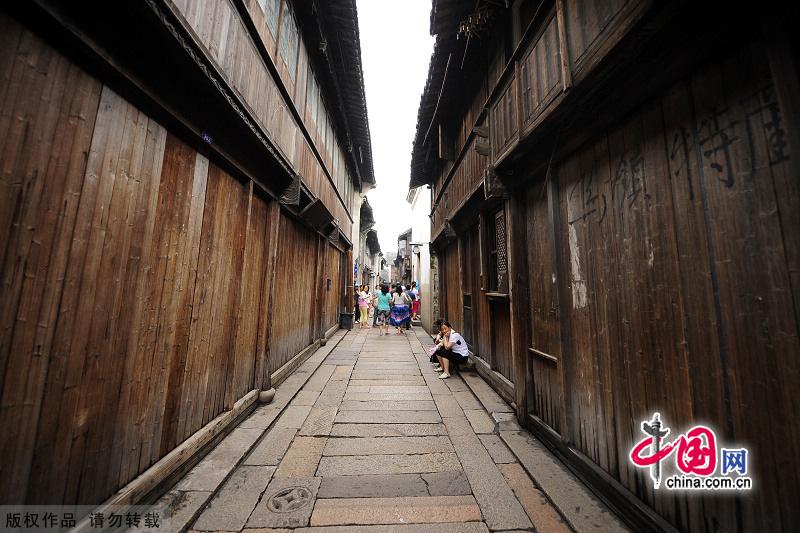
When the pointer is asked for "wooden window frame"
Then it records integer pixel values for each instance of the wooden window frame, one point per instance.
(288, 48)
(489, 250)
(272, 23)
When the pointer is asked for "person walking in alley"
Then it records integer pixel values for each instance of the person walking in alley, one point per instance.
(363, 307)
(415, 300)
(375, 309)
(411, 297)
(451, 349)
(383, 307)
(400, 315)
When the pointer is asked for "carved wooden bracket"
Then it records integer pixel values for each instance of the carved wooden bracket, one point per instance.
(449, 231)
(291, 194)
(493, 186)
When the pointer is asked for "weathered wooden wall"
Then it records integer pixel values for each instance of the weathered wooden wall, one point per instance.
(451, 286)
(220, 29)
(133, 283)
(294, 293)
(679, 231)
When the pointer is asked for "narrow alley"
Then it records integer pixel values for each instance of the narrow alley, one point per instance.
(206, 207)
(365, 434)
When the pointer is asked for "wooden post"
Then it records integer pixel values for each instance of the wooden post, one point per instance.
(566, 73)
(349, 280)
(554, 222)
(519, 300)
(318, 308)
(263, 381)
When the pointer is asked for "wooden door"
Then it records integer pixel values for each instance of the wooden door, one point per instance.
(545, 350)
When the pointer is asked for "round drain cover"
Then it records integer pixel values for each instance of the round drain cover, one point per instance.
(289, 499)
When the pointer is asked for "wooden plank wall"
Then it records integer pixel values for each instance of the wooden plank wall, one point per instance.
(294, 296)
(132, 283)
(451, 286)
(221, 31)
(679, 227)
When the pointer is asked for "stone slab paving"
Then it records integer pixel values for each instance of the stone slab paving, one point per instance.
(467, 400)
(447, 406)
(272, 447)
(577, 504)
(232, 506)
(468, 527)
(373, 486)
(215, 467)
(535, 503)
(395, 485)
(390, 396)
(501, 509)
(389, 380)
(395, 389)
(480, 421)
(319, 421)
(387, 405)
(389, 417)
(302, 458)
(430, 509)
(387, 445)
(387, 430)
(286, 503)
(177, 508)
(370, 440)
(359, 465)
(293, 416)
(499, 451)
(306, 397)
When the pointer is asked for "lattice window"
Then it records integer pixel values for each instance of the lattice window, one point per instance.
(497, 256)
(500, 232)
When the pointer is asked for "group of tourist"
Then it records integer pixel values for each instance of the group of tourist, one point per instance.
(395, 306)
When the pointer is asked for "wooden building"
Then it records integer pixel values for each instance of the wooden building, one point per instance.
(616, 218)
(369, 249)
(177, 179)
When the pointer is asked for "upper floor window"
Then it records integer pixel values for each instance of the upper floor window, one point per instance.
(288, 41)
(311, 94)
(270, 9)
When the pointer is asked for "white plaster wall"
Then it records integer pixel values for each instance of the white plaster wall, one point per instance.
(421, 235)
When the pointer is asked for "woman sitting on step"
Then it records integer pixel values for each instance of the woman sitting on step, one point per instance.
(451, 349)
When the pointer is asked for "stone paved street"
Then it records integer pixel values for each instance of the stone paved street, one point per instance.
(373, 441)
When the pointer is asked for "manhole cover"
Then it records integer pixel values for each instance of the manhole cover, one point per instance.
(289, 499)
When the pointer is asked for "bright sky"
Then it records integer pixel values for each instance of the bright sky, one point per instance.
(396, 47)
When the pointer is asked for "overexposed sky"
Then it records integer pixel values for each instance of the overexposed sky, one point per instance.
(396, 47)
